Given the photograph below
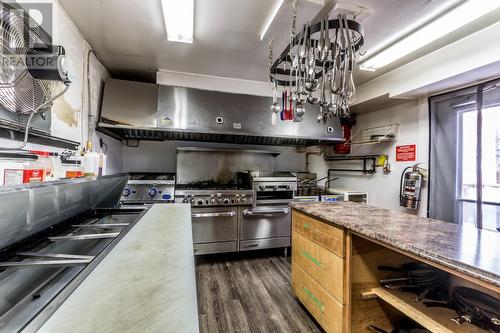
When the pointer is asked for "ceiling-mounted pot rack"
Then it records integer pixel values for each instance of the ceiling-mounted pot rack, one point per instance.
(316, 67)
(284, 58)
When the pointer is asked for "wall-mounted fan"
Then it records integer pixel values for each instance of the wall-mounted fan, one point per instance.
(33, 72)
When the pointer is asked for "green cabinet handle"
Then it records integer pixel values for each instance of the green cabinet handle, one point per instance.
(312, 259)
(307, 226)
(314, 299)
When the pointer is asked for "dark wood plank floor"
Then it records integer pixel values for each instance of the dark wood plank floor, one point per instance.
(249, 292)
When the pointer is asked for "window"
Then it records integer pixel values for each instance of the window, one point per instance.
(466, 198)
(453, 141)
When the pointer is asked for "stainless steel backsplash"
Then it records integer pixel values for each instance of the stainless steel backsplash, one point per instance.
(220, 166)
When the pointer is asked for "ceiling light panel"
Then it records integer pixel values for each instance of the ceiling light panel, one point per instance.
(270, 19)
(443, 25)
(179, 17)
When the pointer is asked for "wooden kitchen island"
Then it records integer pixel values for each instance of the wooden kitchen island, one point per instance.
(338, 247)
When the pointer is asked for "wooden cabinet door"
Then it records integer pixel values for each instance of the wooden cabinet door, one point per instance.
(323, 306)
(329, 236)
(322, 265)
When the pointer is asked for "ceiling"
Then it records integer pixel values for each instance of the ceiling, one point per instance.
(130, 37)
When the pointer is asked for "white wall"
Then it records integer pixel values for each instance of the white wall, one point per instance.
(213, 83)
(161, 156)
(447, 68)
(113, 148)
(70, 113)
(383, 188)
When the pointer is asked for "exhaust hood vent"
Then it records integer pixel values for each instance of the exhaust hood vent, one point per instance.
(159, 113)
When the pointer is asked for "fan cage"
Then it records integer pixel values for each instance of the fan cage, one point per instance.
(19, 33)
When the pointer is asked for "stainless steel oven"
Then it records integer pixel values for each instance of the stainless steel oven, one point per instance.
(268, 223)
(265, 227)
(273, 187)
(215, 229)
(273, 193)
(215, 212)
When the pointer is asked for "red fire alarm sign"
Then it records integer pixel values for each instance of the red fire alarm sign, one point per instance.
(406, 153)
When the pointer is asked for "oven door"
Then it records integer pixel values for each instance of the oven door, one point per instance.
(215, 229)
(265, 227)
(273, 197)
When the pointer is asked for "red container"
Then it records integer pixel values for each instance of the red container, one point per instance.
(342, 148)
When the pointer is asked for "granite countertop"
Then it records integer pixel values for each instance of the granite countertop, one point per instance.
(145, 284)
(460, 247)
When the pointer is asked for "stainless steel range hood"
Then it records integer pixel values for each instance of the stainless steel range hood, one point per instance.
(200, 115)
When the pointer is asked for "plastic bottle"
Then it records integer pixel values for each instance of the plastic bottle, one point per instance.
(90, 164)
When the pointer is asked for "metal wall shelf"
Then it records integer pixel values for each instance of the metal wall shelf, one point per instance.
(374, 135)
(229, 150)
(365, 158)
(15, 131)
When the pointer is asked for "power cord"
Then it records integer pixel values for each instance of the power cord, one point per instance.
(32, 114)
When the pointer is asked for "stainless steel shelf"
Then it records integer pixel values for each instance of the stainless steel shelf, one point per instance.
(229, 150)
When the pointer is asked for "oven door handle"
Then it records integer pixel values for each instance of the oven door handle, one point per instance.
(267, 212)
(220, 214)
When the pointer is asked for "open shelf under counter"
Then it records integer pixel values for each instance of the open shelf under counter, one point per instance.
(434, 319)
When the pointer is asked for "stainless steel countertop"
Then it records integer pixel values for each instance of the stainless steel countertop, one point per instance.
(145, 284)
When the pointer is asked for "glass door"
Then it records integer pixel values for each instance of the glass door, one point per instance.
(466, 207)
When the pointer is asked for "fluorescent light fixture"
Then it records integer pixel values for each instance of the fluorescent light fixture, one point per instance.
(443, 25)
(179, 16)
(271, 18)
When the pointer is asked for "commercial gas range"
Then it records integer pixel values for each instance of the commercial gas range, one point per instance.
(250, 214)
(216, 210)
(211, 194)
(269, 223)
(46, 254)
(149, 188)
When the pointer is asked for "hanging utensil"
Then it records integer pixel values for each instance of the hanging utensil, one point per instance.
(302, 43)
(334, 105)
(299, 85)
(299, 112)
(293, 56)
(321, 42)
(283, 105)
(312, 83)
(345, 109)
(303, 65)
(326, 39)
(275, 107)
(349, 88)
(322, 100)
(311, 53)
(298, 109)
(344, 65)
(289, 111)
(333, 83)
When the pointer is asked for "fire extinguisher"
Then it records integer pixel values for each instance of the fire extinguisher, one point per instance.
(346, 125)
(411, 186)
